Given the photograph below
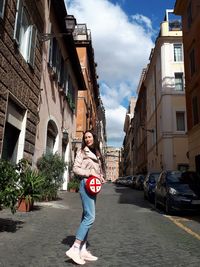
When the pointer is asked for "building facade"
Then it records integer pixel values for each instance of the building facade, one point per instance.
(112, 159)
(60, 82)
(41, 73)
(138, 123)
(190, 12)
(128, 139)
(166, 124)
(20, 77)
(91, 113)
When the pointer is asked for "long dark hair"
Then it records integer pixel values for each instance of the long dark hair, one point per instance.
(96, 142)
(96, 147)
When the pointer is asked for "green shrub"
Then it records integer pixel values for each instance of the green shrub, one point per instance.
(52, 167)
(31, 185)
(9, 185)
(73, 184)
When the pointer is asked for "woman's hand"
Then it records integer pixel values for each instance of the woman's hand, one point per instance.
(93, 173)
(103, 181)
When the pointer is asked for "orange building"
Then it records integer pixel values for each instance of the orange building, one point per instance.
(89, 99)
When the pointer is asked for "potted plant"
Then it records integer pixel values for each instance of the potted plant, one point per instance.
(73, 185)
(31, 182)
(52, 167)
(9, 191)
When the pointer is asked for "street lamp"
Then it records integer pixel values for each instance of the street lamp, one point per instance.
(70, 23)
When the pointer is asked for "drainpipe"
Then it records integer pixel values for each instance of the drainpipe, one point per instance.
(156, 115)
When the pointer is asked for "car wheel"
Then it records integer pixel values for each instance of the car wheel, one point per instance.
(168, 207)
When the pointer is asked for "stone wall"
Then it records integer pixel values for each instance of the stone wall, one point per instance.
(17, 79)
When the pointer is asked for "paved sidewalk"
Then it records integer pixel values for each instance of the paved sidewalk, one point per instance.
(41, 237)
(127, 232)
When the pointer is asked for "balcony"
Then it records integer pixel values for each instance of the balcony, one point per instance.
(175, 25)
(81, 33)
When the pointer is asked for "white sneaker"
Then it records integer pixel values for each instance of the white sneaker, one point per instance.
(75, 256)
(86, 255)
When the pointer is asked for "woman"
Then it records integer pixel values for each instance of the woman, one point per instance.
(87, 163)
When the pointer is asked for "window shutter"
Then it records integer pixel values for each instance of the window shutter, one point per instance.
(2, 6)
(32, 45)
(61, 76)
(58, 63)
(66, 78)
(50, 59)
(54, 54)
(18, 21)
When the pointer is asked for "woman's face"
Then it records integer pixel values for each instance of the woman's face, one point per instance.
(89, 139)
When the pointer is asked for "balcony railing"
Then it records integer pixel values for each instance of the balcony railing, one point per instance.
(81, 33)
(175, 25)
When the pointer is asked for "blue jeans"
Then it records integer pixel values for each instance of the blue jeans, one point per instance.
(88, 215)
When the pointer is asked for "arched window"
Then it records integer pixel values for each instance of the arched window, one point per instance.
(51, 136)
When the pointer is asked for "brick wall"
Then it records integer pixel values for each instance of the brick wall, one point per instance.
(17, 78)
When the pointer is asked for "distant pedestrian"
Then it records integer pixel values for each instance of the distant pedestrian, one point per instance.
(88, 162)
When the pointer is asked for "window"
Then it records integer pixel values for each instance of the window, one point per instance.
(192, 62)
(2, 7)
(59, 67)
(14, 135)
(178, 81)
(180, 121)
(189, 15)
(178, 52)
(71, 95)
(51, 137)
(195, 110)
(25, 34)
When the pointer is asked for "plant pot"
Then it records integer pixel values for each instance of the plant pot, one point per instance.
(73, 190)
(25, 205)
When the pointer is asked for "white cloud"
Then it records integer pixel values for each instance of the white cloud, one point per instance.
(122, 46)
(143, 21)
(116, 120)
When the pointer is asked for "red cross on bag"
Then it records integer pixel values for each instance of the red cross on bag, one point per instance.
(93, 185)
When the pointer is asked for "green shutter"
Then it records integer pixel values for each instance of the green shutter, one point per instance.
(2, 6)
(32, 45)
(18, 21)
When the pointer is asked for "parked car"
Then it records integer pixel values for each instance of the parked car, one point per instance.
(149, 185)
(124, 180)
(139, 182)
(129, 180)
(134, 177)
(178, 191)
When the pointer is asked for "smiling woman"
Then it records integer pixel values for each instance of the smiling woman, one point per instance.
(87, 165)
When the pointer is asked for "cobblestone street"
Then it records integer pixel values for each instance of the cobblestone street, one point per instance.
(128, 231)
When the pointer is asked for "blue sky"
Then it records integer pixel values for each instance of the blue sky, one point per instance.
(123, 34)
(153, 9)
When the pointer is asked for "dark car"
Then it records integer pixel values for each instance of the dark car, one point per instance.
(149, 185)
(178, 191)
(139, 182)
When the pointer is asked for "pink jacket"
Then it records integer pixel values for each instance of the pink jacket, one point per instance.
(85, 162)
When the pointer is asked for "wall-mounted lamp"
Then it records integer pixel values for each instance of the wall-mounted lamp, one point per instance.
(70, 23)
(65, 137)
(148, 130)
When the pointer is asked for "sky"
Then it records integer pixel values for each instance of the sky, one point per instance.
(123, 34)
